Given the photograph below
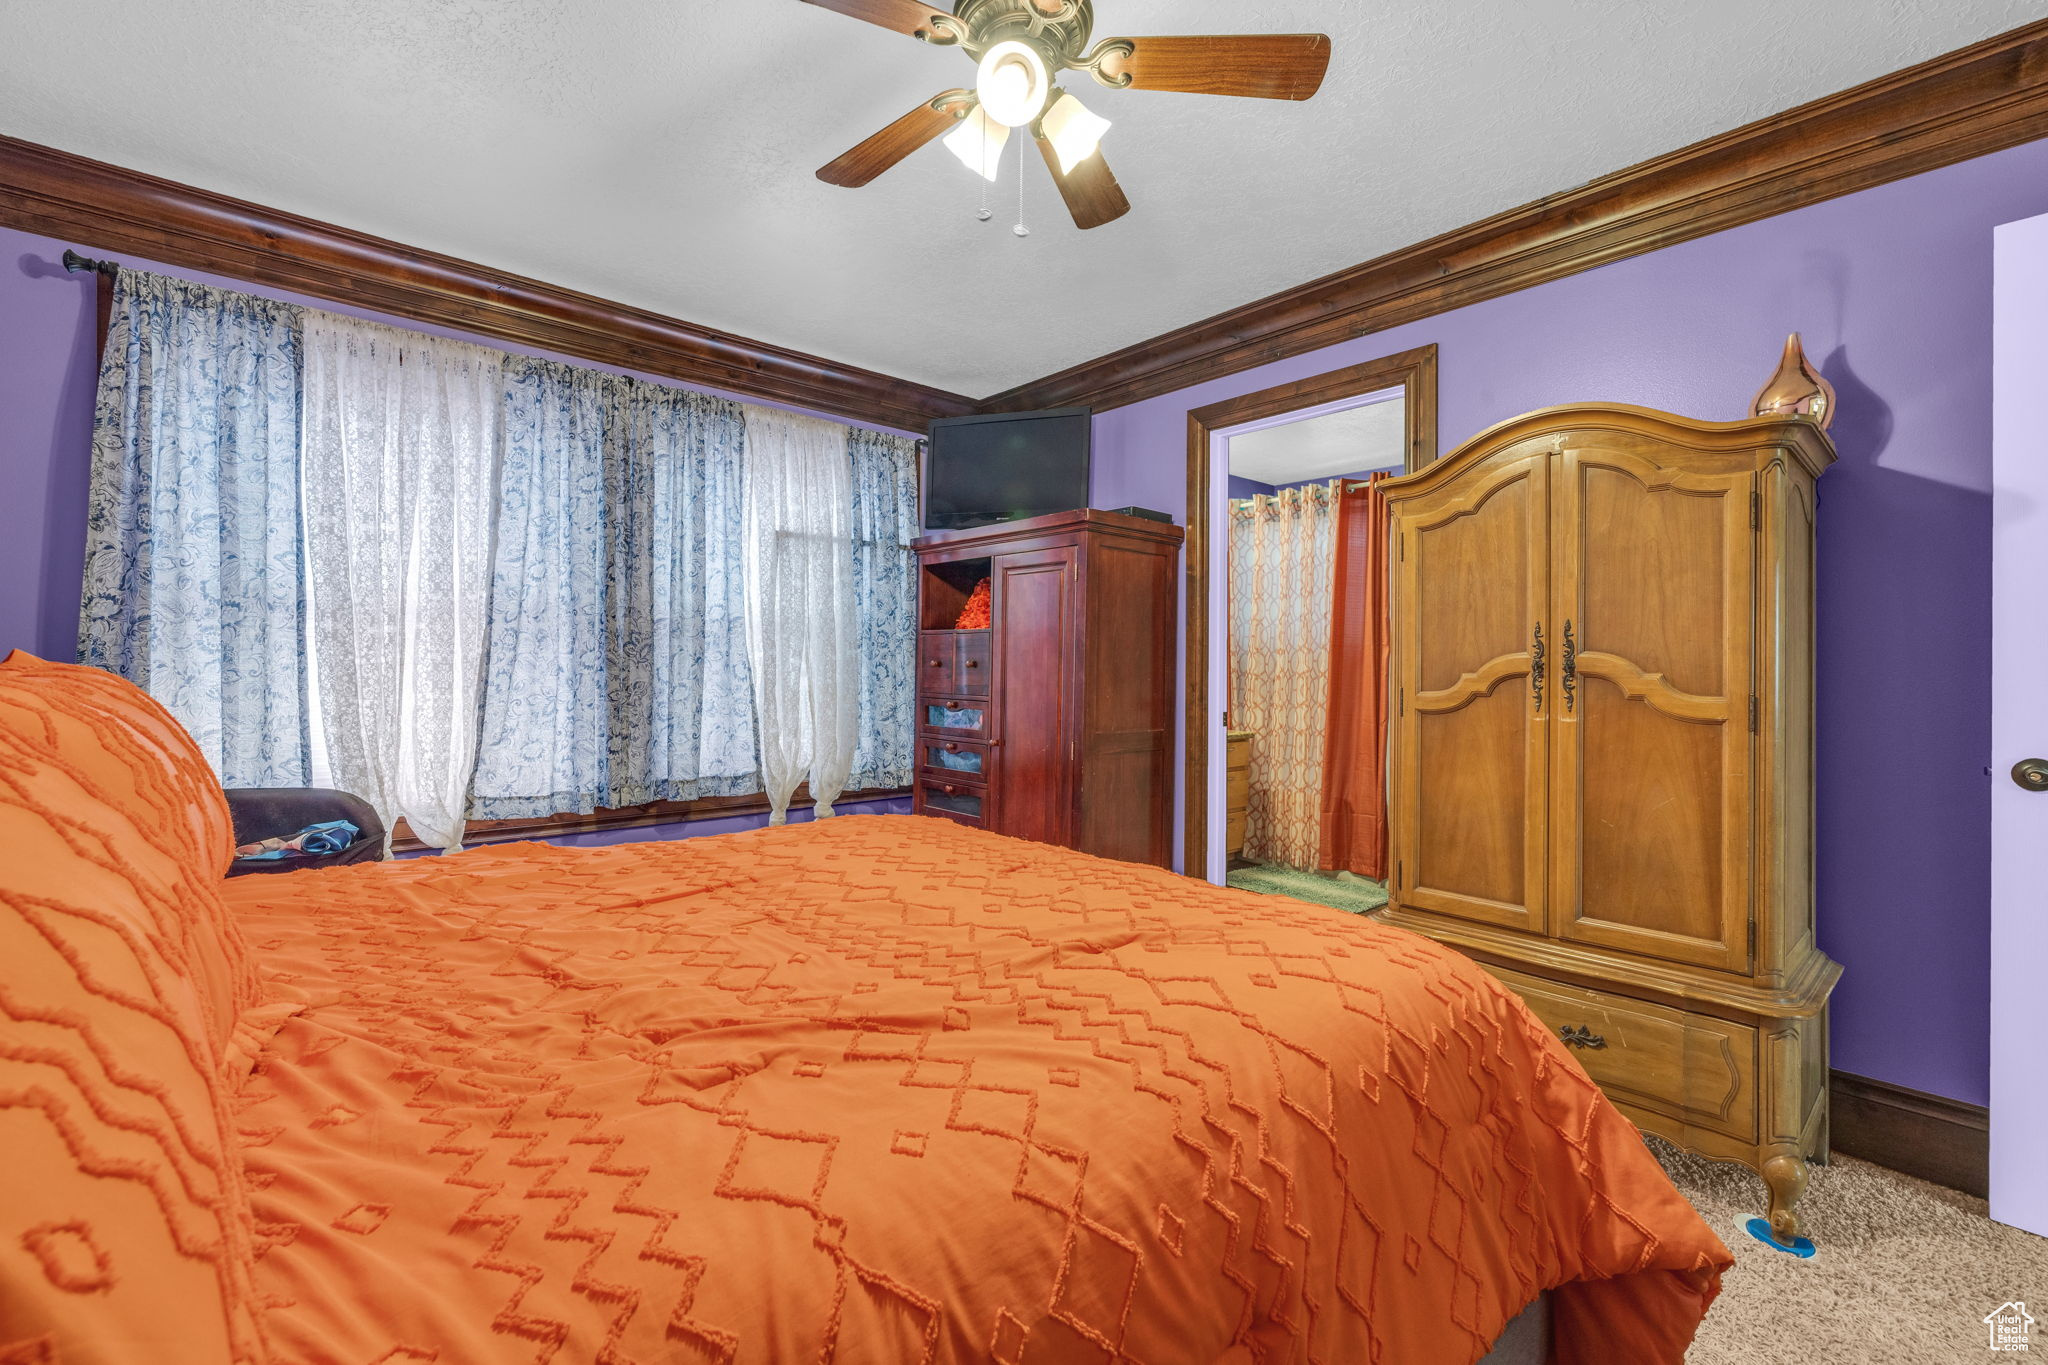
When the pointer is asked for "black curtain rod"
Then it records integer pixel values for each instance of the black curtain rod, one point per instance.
(74, 263)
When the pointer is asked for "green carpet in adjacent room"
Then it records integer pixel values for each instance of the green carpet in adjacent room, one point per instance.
(1340, 891)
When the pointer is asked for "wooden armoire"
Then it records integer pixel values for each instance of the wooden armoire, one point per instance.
(1600, 757)
(1054, 723)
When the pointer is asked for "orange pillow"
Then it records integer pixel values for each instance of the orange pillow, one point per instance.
(123, 749)
(125, 1231)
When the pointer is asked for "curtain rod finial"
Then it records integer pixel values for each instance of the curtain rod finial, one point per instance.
(74, 263)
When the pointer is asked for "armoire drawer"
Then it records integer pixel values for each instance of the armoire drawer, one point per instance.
(954, 661)
(953, 717)
(1692, 1069)
(941, 758)
(963, 802)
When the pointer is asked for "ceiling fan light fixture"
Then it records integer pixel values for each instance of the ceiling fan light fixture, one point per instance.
(978, 142)
(1074, 130)
(1012, 82)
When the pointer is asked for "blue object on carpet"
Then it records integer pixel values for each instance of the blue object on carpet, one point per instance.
(1760, 1228)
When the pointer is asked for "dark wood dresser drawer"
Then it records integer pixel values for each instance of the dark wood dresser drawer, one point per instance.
(1693, 1069)
(953, 717)
(967, 803)
(944, 759)
(938, 662)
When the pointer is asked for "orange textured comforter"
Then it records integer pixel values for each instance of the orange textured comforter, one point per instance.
(884, 1089)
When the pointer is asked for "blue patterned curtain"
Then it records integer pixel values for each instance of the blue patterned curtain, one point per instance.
(681, 692)
(546, 716)
(885, 597)
(193, 573)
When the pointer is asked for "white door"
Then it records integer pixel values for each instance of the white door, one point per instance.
(2019, 727)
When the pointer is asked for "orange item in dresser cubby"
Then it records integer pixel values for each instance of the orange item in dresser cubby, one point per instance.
(974, 615)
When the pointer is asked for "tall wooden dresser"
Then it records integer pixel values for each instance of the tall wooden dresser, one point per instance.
(1601, 757)
(1055, 722)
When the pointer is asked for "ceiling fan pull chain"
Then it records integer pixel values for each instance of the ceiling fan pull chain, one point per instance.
(1020, 229)
(986, 212)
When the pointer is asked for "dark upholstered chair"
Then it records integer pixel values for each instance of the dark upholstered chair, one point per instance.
(280, 812)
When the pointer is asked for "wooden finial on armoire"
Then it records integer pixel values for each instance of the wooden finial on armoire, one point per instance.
(1797, 387)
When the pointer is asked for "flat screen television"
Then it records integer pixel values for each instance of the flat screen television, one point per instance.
(1005, 466)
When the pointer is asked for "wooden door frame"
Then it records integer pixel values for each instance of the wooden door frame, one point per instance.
(1414, 373)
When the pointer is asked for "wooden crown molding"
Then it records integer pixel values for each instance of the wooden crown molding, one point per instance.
(1971, 102)
(105, 208)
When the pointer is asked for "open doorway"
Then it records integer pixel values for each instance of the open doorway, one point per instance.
(1279, 483)
(1304, 555)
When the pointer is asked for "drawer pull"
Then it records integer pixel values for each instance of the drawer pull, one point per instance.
(1578, 1035)
(974, 663)
(952, 706)
(931, 663)
(952, 748)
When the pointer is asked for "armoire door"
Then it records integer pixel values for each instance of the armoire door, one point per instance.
(1474, 678)
(1651, 731)
(1035, 608)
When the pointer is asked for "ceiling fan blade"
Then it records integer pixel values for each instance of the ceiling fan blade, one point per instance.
(931, 23)
(1267, 66)
(1090, 189)
(858, 165)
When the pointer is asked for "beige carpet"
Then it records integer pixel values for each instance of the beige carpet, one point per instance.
(1904, 1275)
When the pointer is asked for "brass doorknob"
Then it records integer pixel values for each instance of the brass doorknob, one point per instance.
(2031, 773)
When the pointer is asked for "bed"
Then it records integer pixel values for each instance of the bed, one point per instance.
(875, 1089)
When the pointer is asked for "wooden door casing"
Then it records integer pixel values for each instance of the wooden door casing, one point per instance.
(1652, 801)
(1474, 681)
(1035, 606)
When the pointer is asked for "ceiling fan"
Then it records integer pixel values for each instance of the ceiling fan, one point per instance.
(1019, 46)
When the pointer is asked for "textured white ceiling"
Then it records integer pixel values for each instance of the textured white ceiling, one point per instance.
(1370, 436)
(660, 152)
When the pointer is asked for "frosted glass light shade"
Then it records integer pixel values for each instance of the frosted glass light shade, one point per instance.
(978, 142)
(1012, 82)
(1074, 130)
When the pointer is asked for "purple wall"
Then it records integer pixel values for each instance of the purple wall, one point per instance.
(48, 371)
(1891, 289)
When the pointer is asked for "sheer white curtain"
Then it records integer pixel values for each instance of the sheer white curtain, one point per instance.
(399, 453)
(802, 632)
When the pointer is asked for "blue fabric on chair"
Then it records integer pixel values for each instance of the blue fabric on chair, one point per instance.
(261, 813)
(193, 572)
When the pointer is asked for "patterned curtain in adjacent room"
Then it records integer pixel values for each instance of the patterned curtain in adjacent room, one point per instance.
(1281, 562)
(801, 625)
(192, 574)
(401, 439)
(885, 596)
(677, 674)
(546, 717)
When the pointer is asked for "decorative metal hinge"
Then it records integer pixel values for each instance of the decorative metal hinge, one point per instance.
(1578, 1035)
(1756, 511)
(1752, 940)
(1404, 701)
(1753, 708)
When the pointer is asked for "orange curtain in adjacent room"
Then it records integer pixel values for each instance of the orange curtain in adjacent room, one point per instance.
(1354, 814)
